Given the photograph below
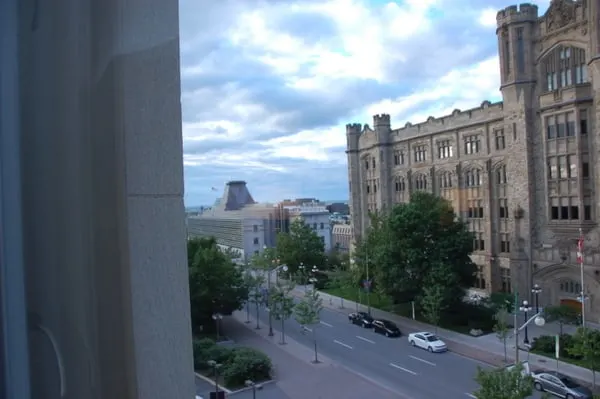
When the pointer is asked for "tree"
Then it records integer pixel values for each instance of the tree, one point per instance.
(586, 344)
(301, 245)
(503, 384)
(501, 300)
(502, 329)
(404, 245)
(282, 305)
(562, 314)
(307, 313)
(216, 283)
(254, 283)
(434, 294)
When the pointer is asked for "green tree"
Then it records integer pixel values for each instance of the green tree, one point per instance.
(254, 282)
(434, 297)
(561, 314)
(501, 300)
(308, 313)
(586, 345)
(301, 245)
(404, 245)
(281, 304)
(216, 283)
(503, 384)
(502, 329)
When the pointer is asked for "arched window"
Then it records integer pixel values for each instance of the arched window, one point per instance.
(570, 287)
(400, 185)
(564, 66)
(421, 182)
(473, 178)
(445, 180)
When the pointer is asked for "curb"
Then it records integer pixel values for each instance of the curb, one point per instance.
(260, 384)
(222, 388)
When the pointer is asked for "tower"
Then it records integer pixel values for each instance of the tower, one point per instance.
(353, 132)
(383, 131)
(516, 29)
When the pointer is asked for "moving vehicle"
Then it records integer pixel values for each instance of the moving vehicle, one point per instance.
(560, 385)
(362, 319)
(386, 328)
(428, 341)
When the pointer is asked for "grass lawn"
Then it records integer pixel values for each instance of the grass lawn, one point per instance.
(576, 362)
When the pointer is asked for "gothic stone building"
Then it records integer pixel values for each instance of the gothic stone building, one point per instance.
(523, 172)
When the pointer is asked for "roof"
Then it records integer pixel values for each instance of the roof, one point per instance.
(235, 196)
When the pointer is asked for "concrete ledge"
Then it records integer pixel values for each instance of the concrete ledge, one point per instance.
(222, 388)
(261, 384)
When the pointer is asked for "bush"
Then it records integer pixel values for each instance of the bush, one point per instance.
(247, 364)
(546, 344)
(469, 315)
(239, 364)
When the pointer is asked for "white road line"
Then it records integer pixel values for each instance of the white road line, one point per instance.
(403, 369)
(471, 396)
(326, 324)
(365, 339)
(422, 360)
(343, 344)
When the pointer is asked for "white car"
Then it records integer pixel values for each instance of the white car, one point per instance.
(427, 340)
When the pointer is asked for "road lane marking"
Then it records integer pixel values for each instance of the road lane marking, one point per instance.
(403, 369)
(365, 339)
(471, 396)
(343, 344)
(326, 324)
(422, 360)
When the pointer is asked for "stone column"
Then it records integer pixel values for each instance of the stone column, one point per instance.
(106, 270)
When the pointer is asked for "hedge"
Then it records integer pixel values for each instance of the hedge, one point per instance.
(239, 364)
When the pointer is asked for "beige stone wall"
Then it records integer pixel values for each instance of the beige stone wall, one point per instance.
(542, 250)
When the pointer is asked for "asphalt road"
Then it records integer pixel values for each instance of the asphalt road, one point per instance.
(391, 362)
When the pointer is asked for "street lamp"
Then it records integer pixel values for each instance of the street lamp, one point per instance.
(276, 269)
(254, 386)
(217, 317)
(525, 308)
(537, 290)
(313, 279)
(539, 321)
(302, 270)
(215, 366)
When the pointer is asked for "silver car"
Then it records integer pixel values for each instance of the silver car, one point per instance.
(560, 385)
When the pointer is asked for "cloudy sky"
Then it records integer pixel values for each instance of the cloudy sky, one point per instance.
(269, 85)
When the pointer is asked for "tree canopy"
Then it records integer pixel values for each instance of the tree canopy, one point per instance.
(413, 245)
(301, 245)
(216, 284)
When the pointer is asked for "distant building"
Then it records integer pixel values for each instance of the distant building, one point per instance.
(342, 237)
(314, 215)
(239, 223)
(339, 207)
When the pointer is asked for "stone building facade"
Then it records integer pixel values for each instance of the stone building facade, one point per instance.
(523, 172)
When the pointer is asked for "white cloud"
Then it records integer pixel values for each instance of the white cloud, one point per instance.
(267, 94)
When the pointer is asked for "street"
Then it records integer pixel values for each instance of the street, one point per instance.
(391, 362)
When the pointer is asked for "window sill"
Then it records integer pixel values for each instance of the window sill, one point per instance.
(571, 226)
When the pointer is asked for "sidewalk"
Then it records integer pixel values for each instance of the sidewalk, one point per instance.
(488, 348)
(297, 377)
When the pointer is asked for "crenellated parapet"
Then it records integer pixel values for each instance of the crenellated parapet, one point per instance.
(525, 12)
(381, 121)
(353, 132)
(457, 119)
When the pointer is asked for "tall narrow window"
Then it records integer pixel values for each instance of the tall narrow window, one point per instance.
(506, 55)
(583, 124)
(520, 51)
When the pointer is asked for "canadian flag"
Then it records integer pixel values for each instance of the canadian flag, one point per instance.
(580, 250)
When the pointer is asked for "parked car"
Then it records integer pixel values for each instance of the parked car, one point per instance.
(428, 341)
(560, 385)
(362, 319)
(386, 328)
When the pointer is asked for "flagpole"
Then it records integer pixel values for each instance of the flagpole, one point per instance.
(580, 258)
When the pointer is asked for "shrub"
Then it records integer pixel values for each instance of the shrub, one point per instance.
(546, 344)
(470, 315)
(246, 364)
(543, 344)
(206, 349)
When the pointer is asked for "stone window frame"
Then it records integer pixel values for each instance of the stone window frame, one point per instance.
(472, 143)
(420, 152)
(420, 182)
(445, 148)
(499, 139)
(505, 280)
(564, 67)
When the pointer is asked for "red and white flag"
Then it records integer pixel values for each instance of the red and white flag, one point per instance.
(580, 250)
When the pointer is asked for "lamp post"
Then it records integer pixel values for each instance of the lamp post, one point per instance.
(254, 386)
(215, 366)
(537, 319)
(275, 269)
(536, 291)
(217, 317)
(302, 270)
(525, 308)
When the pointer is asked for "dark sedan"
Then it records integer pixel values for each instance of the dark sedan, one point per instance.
(386, 328)
(362, 319)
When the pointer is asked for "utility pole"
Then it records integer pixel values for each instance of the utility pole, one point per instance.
(368, 286)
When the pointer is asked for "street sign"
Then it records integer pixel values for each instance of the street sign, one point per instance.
(367, 284)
